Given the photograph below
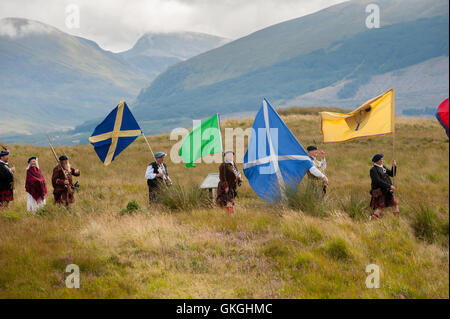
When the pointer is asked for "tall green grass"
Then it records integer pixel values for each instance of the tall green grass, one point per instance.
(428, 226)
(184, 198)
(308, 198)
(356, 205)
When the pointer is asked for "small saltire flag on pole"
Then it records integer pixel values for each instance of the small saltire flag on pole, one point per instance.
(274, 160)
(442, 115)
(117, 131)
(373, 118)
(204, 139)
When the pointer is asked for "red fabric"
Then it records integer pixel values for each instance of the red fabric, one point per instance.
(443, 112)
(35, 183)
(383, 201)
(6, 196)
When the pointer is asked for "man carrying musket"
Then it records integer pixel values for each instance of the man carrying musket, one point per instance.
(6, 180)
(156, 175)
(63, 187)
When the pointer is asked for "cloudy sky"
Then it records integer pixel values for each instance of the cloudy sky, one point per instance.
(116, 24)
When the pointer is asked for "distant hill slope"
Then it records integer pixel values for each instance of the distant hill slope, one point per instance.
(299, 56)
(422, 85)
(153, 53)
(55, 80)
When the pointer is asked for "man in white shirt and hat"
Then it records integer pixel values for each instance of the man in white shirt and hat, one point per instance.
(157, 175)
(317, 172)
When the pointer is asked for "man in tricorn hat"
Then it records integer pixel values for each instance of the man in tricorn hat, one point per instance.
(382, 190)
(157, 175)
(6, 180)
(63, 187)
(317, 172)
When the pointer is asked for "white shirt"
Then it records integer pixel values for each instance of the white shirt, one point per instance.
(7, 166)
(315, 171)
(150, 174)
(381, 166)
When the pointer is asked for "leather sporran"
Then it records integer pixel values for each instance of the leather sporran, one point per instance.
(376, 192)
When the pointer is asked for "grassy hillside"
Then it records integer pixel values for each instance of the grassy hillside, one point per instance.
(303, 55)
(292, 38)
(295, 250)
(56, 80)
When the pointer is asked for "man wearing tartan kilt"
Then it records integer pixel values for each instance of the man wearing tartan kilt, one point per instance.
(382, 190)
(6, 180)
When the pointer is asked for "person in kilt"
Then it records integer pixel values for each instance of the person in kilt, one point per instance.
(230, 179)
(63, 187)
(6, 180)
(382, 190)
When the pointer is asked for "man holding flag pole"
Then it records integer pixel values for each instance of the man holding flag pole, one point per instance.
(206, 139)
(117, 131)
(374, 118)
(157, 175)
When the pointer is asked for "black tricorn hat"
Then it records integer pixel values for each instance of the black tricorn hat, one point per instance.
(4, 153)
(31, 158)
(311, 148)
(63, 158)
(377, 157)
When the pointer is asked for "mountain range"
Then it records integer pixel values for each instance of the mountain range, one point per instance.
(328, 49)
(153, 53)
(54, 81)
(328, 58)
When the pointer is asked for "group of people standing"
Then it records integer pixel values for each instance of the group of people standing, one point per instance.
(35, 183)
(382, 188)
(229, 176)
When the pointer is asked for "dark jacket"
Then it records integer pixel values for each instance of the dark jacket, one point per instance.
(59, 177)
(381, 180)
(226, 175)
(6, 178)
(152, 183)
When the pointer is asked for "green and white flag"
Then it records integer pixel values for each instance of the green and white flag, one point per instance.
(204, 139)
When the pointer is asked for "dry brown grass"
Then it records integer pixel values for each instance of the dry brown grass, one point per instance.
(260, 252)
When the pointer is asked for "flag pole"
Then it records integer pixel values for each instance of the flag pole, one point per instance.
(148, 144)
(220, 132)
(393, 133)
(223, 161)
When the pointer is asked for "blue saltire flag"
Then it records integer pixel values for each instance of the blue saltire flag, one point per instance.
(117, 131)
(274, 160)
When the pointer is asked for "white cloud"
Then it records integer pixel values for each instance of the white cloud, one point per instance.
(14, 29)
(117, 24)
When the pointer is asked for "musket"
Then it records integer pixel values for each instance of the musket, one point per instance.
(166, 177)
(69, 187)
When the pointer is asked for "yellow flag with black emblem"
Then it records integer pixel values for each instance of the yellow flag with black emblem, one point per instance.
(373, 118)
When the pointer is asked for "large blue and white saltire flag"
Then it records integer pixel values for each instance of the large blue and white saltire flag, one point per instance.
(117, 131)
(274, 160)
